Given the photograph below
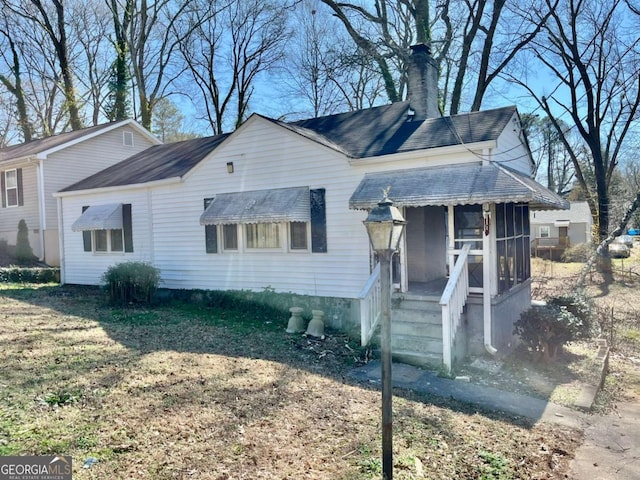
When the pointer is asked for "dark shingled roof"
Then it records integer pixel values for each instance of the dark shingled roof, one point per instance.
(360, 134)
(386, 130)
(158, 162)
(35, 147)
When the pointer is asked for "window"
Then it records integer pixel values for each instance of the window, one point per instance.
(512, 245)
(12, 188)
(544, 231)
(291, 219)
(262, 235)
(230, 237)
(114, 240)
(298, 235)
(105, 241)
(127, 138)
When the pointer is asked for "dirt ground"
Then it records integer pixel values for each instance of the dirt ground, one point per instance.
(187, 392)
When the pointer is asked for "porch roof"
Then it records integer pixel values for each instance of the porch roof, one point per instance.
(454, 185)
(259, 206)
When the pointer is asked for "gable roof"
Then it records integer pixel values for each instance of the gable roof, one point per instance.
(360, 134)
(388, 129)
(158, 162)
(62, 140)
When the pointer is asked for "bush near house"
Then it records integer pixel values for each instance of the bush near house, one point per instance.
(545, 329)
(131, 282)
(578, 253)
(23, 252)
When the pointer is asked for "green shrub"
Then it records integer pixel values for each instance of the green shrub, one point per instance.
(545, 329)
(131, 282)
(15, 274)
(578, 253)
(23, 248)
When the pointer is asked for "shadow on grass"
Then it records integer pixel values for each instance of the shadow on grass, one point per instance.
(193, 328)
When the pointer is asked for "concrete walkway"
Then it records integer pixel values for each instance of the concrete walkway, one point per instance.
(611, 450)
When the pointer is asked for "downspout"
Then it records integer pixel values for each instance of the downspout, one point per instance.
(61, 240)
(41, 208)
(487, 275)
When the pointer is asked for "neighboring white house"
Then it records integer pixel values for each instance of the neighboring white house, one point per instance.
(280, 205)
(553, 231)
(31, 172)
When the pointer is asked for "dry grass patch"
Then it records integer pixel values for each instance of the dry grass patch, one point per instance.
(185, 392)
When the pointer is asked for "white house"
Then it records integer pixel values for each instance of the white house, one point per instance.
(280, 205)
(31, 172)
(553, 231)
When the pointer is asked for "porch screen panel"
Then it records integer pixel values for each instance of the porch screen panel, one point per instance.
(512, 245)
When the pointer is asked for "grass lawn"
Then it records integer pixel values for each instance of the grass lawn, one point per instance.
(187, 392)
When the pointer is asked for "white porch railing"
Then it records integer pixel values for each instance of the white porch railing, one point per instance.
(370, 306)
(452, 302)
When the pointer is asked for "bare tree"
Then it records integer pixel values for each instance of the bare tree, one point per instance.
(594, 60)
(89, 26)
(153, 43)
(118, 107)
(552, 163)
(226, 50)
(13, 83)
(54, 23)
(473, 41)
(323, 69)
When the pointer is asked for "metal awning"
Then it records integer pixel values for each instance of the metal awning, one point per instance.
(259, 206)
(454, 185)
(561, 223)
(99, 217)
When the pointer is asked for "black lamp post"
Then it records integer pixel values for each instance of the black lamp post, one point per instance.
(385, 225)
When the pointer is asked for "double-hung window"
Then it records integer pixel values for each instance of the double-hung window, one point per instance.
(11, 188)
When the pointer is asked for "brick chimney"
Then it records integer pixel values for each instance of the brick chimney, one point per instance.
(422, 83)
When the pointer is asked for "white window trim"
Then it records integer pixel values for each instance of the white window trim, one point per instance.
(222, 248)
(298, 250)
(7, 188)
(108, 251)
(547, 229)
(284, 233)
(127, 138)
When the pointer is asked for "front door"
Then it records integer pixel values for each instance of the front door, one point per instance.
(426, 244)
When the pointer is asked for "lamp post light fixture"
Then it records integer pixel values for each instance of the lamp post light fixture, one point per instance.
(385, 225)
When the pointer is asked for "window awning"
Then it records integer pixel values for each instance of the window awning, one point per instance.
(259, 206)
(561, 223)
(454, 185)
(99, 217)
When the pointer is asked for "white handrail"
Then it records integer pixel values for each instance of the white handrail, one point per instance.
(370, 306)
(452, 302)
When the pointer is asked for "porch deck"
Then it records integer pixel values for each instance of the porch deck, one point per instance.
(428, 291)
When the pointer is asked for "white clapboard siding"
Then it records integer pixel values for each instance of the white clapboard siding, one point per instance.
(10, 216)
(167, 230)
(264, 156)
(83, 159)
(511, 150)
(86, 268)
